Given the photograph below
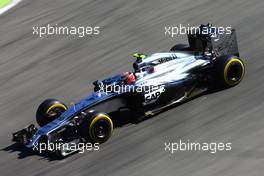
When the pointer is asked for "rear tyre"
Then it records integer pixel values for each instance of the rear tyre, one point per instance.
(229, 71)
(97, 128)
(49, 110)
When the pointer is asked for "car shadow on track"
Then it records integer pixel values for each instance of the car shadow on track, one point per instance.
(24, 152)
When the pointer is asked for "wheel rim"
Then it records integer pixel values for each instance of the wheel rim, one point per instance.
(55, 111)
(101, 129)
(234, 72)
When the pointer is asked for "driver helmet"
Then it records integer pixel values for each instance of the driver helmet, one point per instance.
(129, 77)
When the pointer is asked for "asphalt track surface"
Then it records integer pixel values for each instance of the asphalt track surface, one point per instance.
(32, 69)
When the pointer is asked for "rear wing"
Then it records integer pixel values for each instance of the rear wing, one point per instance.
(213, 41)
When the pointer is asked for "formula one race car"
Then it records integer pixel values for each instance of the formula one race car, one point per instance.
(157, 82)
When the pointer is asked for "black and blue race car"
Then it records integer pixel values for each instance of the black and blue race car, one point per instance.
(157, 82)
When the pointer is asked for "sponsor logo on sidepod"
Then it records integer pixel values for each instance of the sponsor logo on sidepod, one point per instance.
(153, 96)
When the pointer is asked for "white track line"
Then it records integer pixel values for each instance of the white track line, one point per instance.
(6, 8)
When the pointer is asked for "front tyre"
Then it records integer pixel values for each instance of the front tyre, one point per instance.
(49, 110)
(230, 71)
(97, 128)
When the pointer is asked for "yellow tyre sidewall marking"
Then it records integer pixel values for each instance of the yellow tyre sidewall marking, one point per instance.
(56, 106)
(227, 67)
(100, 116)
